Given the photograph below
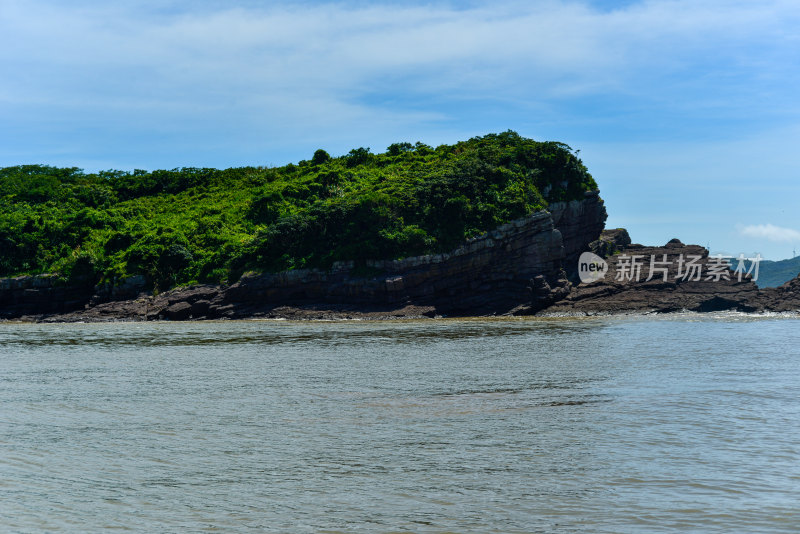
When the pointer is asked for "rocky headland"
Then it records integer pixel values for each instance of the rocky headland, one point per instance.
(519, 264)
(526, 267)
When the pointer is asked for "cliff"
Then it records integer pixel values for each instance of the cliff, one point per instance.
(580, 223)
(518, 267)
(40, 295)
(491, 274)
(183, 226)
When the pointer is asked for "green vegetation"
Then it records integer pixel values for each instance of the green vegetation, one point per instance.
(209, 225)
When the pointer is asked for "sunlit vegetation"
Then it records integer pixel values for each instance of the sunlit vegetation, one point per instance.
(207, 225)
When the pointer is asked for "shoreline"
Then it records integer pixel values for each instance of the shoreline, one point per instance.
(504, 279)
(308, 315)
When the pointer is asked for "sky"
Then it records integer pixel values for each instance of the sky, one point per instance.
(686, 112)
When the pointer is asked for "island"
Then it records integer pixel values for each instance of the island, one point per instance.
(494, 225)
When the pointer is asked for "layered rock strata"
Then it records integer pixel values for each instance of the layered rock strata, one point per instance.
(41, 295)
(517, 266)
(671, 278)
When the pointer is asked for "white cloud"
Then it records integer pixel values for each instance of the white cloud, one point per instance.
(229, 72)
(508, 48)
(771, 232)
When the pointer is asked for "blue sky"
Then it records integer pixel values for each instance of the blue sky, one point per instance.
(686, 112)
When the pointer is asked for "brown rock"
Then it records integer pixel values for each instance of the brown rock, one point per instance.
(489, 274)
(668, 289)
(779, 299)
(610, 242)
(180, 311)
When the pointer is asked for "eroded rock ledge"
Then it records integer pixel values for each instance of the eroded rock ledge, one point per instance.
(518, 267)
(670, 288)
(527, 267)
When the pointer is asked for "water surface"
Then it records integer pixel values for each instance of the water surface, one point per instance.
(681, 423)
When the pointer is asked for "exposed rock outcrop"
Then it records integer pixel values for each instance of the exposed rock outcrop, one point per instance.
(610, 242)
(40, 295)
(779, 299)
(489, 274)
(580, 223)
(517, 267)
(671, 278)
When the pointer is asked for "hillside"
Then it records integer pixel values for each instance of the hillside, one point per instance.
(776, 273)
(207, 225)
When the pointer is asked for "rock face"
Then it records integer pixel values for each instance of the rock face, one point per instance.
(517, 267)
(779, 299)
(610, 242)
(580, 223)
(43, 294)
(517, 264)
(671, 278)
(488, 274)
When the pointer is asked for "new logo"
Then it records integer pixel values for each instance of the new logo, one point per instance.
(591, 267)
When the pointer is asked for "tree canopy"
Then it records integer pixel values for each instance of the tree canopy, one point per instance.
(208, 225)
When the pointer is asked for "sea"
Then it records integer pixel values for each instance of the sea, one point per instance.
(648, 423)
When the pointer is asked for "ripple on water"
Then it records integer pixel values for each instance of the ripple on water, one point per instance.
(635, 424)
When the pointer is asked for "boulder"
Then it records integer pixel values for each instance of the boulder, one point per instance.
(180, 311)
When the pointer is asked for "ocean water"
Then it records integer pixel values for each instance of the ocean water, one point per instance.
(682, 423)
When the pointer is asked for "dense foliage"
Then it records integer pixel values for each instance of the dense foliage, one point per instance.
(210, 225)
